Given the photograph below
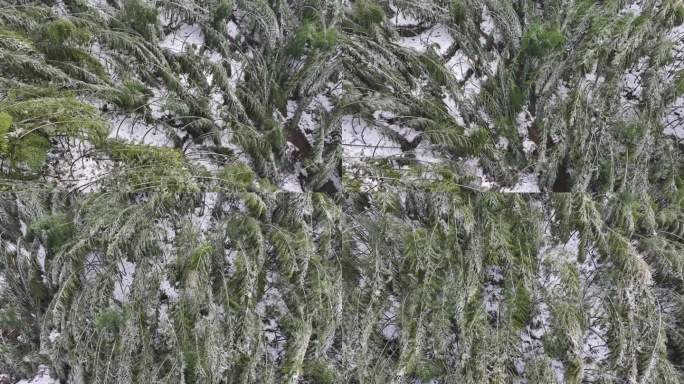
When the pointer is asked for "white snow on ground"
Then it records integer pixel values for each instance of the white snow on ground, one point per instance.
(199, 155)
(307, 121)
(426, 155)
(591, 83)
(60, 8)
(487, 25)
(594, 348)
(237, 73)
(54, 335)
(201, 218)
(291, 184)
(169, 290)
(42, 377)
(524, 121)
(459, 64)
(388, 325)
(165, 324)
(214, 57)
(407, 133)
(232, 29)
(360, 140)
(272, 299)
(400, 18)
(502, 143)
(122, 286)
(156, 104)
(632, 82)
(167, 236)
(437, 36)
(231, 255)
(98, 4)
(323, 101)
(529, 146)
(631, 92)
(104, 58)
(531, 336)
(312, 115)
(133, 130)
(74, 163)
(215, 106)
(473, 167)
(10, 247)
(674, 121)
(473, 86)
(40, 255)
(559, 370)
(528, 184)
(183, 38)
(634, 7)
(453, 109)
(291, 109)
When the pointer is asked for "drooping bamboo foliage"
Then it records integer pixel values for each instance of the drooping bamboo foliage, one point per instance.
(581, 94)
(585, 96)
(264, 287)
(145, 236)
(222, 82)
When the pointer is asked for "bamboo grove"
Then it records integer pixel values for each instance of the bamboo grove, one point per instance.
(338, 191)
(411, 287)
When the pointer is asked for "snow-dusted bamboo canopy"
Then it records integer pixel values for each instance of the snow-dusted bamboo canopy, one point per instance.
(337, 191)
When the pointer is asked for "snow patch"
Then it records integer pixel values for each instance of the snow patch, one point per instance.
(437, 36)
(634, 7)
(528, 184)
(473, 167)
(524, 121)
(272, 297)
(76, 164)
(201, 219)
(169, 291)
(237, 73)
(184, 38)
(122, 287)
(674, 121)
(559, 370)
(135, 131)
(459, 64)
(401, 18)
(389, 325)
(232, 30)
(40, 255)
(360, 140)
(426, 155)
(291, 183)
(54, 335)
(487, 25)
(41, 377)
(453, 109)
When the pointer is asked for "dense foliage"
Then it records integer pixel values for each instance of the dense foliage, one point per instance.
(412, 287)
(334, 191)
